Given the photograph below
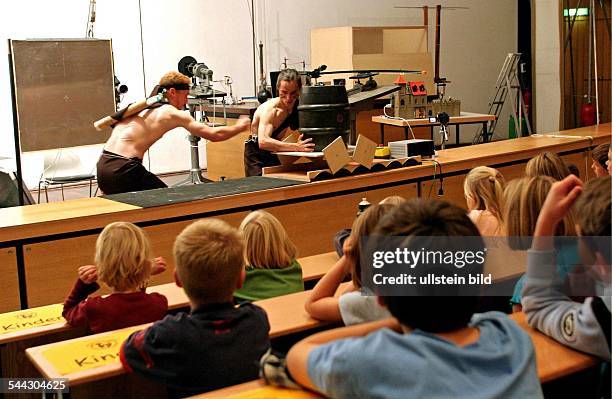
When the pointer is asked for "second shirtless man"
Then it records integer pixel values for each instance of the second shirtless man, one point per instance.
(271, 123)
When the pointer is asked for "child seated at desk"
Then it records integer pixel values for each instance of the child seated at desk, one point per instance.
(122, 261)
(483, 189)
(523, 200)
(547, 164)
(216, 344)
(435, 347)
(351, 307)
(584, 326)
(272, 269)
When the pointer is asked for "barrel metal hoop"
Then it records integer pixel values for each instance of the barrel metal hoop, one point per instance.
(322, 107)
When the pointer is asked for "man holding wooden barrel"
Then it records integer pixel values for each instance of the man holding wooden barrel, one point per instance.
(271, 123)
(120, 168)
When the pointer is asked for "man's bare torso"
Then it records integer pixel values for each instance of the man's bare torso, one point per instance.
(133, 136)
(271, 107)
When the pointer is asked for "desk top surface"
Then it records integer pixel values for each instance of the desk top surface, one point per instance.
(41, 213)
(466, 117)
(553, 361)
(94, 213)
(286, 315)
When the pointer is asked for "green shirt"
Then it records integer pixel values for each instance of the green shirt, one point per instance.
(268, 283)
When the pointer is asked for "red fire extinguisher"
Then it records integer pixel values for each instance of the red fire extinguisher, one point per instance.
(587, 114)
(527, 101)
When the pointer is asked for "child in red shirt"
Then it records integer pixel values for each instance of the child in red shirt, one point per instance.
(122, 261)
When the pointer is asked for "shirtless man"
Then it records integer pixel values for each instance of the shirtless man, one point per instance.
(270, 124)
(120, 166)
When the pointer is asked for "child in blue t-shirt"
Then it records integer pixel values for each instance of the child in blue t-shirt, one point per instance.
(434, 347)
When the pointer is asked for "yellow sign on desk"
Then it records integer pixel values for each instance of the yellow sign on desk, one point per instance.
(31, 318)
(274, 393)
(87, 353)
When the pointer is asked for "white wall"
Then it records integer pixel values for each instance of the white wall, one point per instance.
(474, 44)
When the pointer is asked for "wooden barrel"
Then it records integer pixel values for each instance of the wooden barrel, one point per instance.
(324, 114)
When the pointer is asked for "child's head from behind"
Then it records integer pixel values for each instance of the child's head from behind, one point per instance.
(600, 159)
(430, 310)
(393, 200)
(593, 215)
(483, 188)
(547, 164)
(523, 200)
(123, 256)
(267, 244)
(209, 258)
(364, 225)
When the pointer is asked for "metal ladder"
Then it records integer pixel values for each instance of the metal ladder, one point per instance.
(507, 81)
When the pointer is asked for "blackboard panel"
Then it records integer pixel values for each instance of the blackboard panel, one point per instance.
(62, 87)
(175, 195)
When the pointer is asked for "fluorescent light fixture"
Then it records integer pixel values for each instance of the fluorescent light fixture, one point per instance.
(580, 12)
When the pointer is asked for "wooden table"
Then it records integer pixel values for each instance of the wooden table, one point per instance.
(466, 118)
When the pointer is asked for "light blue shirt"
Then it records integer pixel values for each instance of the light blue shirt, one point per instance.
(386, 364)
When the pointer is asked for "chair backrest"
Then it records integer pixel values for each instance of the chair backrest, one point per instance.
(62, 163)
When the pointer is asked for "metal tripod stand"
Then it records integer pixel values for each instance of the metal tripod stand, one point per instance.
(195, 172)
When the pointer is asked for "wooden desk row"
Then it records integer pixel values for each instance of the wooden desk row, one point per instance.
(41, 246)
(286, 315)
(553, 361)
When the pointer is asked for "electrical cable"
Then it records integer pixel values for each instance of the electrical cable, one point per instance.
(398, 118)
(144, 75)
(433, 179)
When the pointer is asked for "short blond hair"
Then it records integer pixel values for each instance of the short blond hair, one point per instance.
(173, 78)
(209, 258)
(267, 243)
(547, 164)
(485, 186)
(523, 200)
(123, 254)
(393, 200)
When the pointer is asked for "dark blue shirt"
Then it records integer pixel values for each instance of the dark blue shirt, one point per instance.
(212, 347)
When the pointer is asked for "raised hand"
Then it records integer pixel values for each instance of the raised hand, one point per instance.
(158, 265)
(88, 274)
(559, 200)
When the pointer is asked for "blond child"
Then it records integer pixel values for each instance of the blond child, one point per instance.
(483, 188)
(122, 262)
(216, 344)
(523, 200)
(272, 268)
(547, 164)
(351, 307)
